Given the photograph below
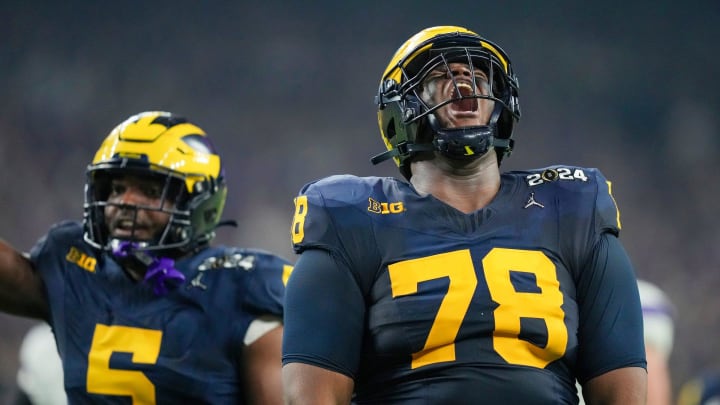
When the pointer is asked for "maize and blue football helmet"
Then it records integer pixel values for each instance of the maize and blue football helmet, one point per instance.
(163, 146)
(407, 122)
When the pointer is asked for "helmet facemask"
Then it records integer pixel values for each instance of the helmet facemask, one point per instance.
(409, 116)
(177, 169)
(187, 211)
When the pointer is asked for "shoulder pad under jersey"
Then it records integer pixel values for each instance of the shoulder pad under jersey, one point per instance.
(337, 214)
(578, 190)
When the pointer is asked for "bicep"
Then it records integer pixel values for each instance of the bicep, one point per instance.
(22, 291)
(623, 386)
(307, 384)
(611, 325)
(262, 363)
(324, 315)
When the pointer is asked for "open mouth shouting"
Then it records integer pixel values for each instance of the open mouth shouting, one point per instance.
(124, 228)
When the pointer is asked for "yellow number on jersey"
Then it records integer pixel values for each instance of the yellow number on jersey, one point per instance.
(405, 277)
(513, 305)
(144, 344)
(297, 230)
(458, 267)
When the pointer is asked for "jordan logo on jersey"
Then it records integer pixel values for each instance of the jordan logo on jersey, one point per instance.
(531, 202)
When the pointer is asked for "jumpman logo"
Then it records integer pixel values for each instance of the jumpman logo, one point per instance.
(532, 202)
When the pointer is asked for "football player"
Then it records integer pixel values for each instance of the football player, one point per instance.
(459, 284)
(702, 389)
(659, 327)
(144, 310)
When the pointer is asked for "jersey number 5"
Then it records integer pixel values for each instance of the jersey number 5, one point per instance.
(498, 266)
(143, 344)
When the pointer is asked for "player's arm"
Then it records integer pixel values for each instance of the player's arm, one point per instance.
(308, 384)
(263, 362)
(262, 342)
(324, 319)
(622, 386)
(612, 352)
(21, 288)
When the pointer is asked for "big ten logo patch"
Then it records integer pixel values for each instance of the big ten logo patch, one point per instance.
(81, 259)
(385, 208)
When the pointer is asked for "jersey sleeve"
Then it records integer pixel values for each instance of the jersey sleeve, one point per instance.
(611, 325)
(327, 336)
(51, 256)
(332, 215)
(265, 291)
(610, 332)
(607, 214)
(587, 204)
(46, 244)
(338, 254)
(313, 225)
(60, 236)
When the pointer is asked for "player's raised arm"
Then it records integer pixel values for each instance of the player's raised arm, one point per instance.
(21, 289)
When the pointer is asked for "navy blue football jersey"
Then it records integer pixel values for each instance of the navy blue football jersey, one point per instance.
(121, 344)
(508, 304)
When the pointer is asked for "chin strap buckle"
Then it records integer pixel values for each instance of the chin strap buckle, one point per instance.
(160, 273)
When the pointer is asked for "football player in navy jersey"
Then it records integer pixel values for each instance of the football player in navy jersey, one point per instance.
(143, 309)
(702, 389)
(459, 284)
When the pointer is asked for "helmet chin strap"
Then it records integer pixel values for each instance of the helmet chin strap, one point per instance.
(402, 148)
(467, 143)
(160, 272)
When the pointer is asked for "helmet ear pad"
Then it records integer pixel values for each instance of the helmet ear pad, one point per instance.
(205, 207)
(413, 136)
(414, 124)
(505, 124)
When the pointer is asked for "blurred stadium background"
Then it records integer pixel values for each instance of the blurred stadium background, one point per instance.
(286, 91)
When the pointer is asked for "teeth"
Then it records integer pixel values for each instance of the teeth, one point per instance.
(465, 89)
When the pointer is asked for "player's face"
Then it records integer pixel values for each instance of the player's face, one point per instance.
(124, 221)
(444, 84)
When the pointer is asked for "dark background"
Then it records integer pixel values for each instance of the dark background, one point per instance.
(286, 92)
